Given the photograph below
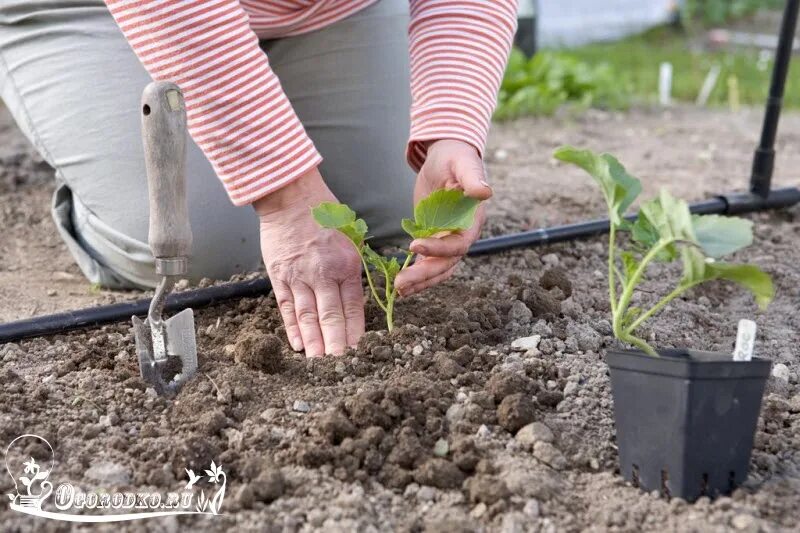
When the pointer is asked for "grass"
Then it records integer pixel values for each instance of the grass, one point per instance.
(636, 60)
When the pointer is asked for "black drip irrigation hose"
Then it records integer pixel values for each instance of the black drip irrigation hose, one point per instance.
(196, 298)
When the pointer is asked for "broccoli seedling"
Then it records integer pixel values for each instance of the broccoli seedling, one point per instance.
(441, 211)
(664, 230)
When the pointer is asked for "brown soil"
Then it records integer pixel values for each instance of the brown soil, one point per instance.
(441, 425)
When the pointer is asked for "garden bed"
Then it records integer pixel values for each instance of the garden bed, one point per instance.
(358, 442)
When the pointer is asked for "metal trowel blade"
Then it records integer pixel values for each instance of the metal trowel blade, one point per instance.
(181, 344)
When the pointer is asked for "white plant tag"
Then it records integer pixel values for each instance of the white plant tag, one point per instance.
(745, 339)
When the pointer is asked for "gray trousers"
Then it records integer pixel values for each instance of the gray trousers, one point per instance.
(73, 85)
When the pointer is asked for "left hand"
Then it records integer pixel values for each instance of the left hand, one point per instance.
(450, 164)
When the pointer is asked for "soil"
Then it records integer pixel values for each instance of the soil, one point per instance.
(488, 408)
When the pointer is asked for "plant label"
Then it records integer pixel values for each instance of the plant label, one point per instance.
(745, 339)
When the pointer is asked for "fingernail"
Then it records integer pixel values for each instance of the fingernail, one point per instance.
(486, 184)
(297, 344)
(421, 250)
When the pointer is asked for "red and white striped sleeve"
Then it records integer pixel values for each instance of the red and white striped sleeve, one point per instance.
(237, 111)
(459, 50)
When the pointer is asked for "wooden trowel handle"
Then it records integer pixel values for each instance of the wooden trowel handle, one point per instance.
(164, 138)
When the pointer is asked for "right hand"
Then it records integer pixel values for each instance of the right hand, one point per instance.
(315, 272)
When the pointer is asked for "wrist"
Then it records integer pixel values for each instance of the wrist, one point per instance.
(439, 144)
(294, 195)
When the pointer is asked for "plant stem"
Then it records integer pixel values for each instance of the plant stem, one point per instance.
(658, 307)
(612, 279)
(639, 343)
(371, 285)
(391, 294)
(630, 285)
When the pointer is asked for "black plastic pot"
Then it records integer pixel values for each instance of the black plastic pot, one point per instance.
(686, 420)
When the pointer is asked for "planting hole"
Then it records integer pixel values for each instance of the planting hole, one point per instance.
(171, 369)
(146, 109)
(704, 485)
(731, 481)
(635, 476)
(665, 484)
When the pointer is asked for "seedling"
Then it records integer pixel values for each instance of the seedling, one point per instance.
(442, 211)
(663, 231)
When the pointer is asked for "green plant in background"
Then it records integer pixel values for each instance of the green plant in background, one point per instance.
(663, 231)
(441, 211)
(542, 84)
(635, 62)
(720, 11)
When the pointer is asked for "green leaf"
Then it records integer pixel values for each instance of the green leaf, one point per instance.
(333, 215)
(442, 210)
(629, 264)
(340, 217)
(643, 232)
(662, 219)
(388, 267)
(698, 269)
(619, 188)
(719, 236)
(750, 277)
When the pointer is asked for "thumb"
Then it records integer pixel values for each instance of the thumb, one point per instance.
(471, 175)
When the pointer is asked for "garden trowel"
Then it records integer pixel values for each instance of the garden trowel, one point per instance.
(166, 348)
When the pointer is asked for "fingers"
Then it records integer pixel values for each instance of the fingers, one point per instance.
(305, 309)
(331, 317)
(353, 304)
(454, 245)
(283, 295)
(425, 269)
(428, 283)
(471, 174)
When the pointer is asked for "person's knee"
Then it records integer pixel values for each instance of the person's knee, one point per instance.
(224, 243)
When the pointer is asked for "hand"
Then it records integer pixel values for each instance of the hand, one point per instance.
(450, 164)
(315, 273)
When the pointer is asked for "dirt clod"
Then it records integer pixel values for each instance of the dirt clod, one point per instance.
(439, 473)
(269, 485)
(487, 489)
(335, 426)
(259, 352)
(556, 277)
(506, 383)
(515, 411)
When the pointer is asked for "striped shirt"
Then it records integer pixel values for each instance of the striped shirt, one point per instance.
(237, 111)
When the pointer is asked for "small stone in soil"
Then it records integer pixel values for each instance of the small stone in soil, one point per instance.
(550, 455)
(301, 406)
(523, 344)
(550, 260)
(519, 313)
(441, 448)
(529, 435)
(781, 372)
(426, 494)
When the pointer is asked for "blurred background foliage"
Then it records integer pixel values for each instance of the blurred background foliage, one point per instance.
(615, 75)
